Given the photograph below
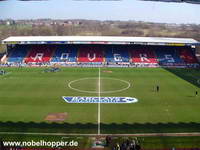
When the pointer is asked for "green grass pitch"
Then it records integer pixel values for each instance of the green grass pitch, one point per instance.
(28, 95)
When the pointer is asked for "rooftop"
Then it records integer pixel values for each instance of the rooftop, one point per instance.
(96, 40)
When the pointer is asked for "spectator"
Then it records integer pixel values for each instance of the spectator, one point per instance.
(157, 88)
(117, 146)
(108, 140)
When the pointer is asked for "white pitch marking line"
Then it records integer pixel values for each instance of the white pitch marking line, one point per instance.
(99, 104)
(115, 91)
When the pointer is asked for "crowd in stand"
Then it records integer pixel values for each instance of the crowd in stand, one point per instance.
(127, 144)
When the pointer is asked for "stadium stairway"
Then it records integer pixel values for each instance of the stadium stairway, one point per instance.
(3, 58)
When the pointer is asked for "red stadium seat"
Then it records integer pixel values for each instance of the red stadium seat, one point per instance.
(187, 56)
(142, 55)
(40, 53)
(90, 54)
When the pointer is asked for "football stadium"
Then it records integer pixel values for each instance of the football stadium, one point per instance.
(99, 86)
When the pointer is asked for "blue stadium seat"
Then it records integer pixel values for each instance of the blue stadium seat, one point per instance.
(116, 54)
(168, 55)
(65, 53)
(18, 53)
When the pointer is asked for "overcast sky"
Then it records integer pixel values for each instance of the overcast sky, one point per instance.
(102, 10)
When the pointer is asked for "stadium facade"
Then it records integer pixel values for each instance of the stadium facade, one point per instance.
(99, 51)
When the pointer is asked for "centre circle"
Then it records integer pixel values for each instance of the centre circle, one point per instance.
(92, 85)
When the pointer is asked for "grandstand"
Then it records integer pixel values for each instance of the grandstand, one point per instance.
(101, 51)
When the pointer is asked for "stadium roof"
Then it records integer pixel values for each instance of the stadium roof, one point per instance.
(99, 40)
